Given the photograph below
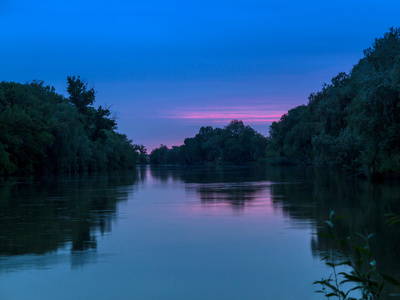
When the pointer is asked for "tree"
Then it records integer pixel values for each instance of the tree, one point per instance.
(142, 151)
(42, 131)
(79, 94)
(353, 122)
(235, 143)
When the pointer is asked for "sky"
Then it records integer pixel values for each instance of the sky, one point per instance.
(167, 68)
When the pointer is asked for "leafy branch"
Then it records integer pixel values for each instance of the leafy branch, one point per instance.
(363, 275)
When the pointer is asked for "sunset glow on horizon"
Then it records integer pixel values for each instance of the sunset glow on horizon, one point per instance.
(261, 114)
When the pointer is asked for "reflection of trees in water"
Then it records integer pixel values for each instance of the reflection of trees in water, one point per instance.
(142, 173)
(37, 217)
(232, 185)
(363, 203)
(206, 174)
(165, 173)
(236, 194)
(307, 196)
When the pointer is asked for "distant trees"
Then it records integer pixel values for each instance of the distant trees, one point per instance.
(354, 122)
(235, 143)
(42, 131)
(142, 151)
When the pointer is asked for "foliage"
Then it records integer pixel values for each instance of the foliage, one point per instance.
(353, 122)
(79, 94)
(235, 143)
(363, 275)
(142, 151)
(42, 131)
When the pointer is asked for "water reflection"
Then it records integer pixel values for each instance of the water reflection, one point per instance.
(47, 215)
(306, 196)
(207, 174)
(237, 195)
(363, 203)
(235, 186)
(64, 217)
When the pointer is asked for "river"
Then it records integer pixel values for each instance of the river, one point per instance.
(186, 232)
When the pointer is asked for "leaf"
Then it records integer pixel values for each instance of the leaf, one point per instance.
(392, 217)
(344, 263)
(339, 217)
(332, 287)
(323, 281)
(351, 278)
(331, 295)
(342, 294)
(362, 236)
(318, 281)
(354, 288)
(330, 264)
(325, 257)
(395, 221)
(390, 279)
(326, 235)
(366, 251)
(329, 223)
(389, 215)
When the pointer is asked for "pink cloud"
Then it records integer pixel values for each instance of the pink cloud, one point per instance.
(223, 114)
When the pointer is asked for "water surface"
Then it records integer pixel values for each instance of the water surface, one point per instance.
(183, 233)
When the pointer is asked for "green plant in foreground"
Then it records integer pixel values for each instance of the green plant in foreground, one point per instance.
(393, 219)
(363, 276)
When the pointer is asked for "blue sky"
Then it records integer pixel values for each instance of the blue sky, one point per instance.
(169, 67)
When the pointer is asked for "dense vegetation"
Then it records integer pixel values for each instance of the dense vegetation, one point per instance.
(42, 131)
(354, 122)
(235, 143)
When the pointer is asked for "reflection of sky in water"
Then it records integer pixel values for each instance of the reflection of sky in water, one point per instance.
(77, 260)
(177, 240)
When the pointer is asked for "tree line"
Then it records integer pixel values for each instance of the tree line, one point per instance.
(353, 122)
(235, 143)
(42, 131)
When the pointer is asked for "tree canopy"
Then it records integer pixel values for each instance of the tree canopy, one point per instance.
(353, 122)
(235, 143)
(42, 131)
